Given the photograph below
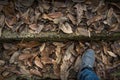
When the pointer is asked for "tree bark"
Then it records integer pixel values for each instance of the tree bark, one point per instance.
(8, 36)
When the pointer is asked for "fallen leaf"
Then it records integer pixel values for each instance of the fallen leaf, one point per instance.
(94, 19)
(2, 20)
(33, 27)
(56, 68)
(104, 59)
(5, 73)
(24, 56)
(111, 54)
(55, 15)
(25, 16)
(14, 57)
(2, 62)
(45, 16)
(72, 18)
(79, 11)
(38, 62)
(30, 44)
(59, 20)
(10, 46)
(39, 29)
(66, 28)
(46, 60)
(58, 44)
(82, 31)
(0, 31)
(25, 3)
(24, 71)
(35, 72)
(77, 64)
(67, 60)
(42, 47)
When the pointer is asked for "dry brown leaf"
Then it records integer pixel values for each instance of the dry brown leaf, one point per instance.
(58, 44)
(77, 64)
(94, 19)
(42, 47)
(9, 9)
(79, 9)
(45, 16)
(38, 62)
(104, 59)
(30, 44)
(66, 28)
(55, 15)
(2, 62)
(56, 68)
(25, 16)
(111, 54)
(39, 29)
(72, 18)
(82, 31)
(5, 73)
(46, 60)
(1, 31)
(24, 56)
(14, 57)
(33, 27)
(24, 71)
(60, 20)
(2, 20)
(68, 60)
(35, 72)
(9, 46)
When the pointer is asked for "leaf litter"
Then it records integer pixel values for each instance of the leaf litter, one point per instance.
(38, 59)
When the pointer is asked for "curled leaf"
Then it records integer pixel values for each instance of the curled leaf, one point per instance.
(38, 62)
(66, 28)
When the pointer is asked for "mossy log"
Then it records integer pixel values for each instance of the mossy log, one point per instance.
(8, 36)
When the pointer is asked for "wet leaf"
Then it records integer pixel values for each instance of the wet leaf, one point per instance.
(66, 28)
(38, 62)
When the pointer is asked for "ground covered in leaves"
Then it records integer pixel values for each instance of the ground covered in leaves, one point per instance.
(73, 16)
(57, 59)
